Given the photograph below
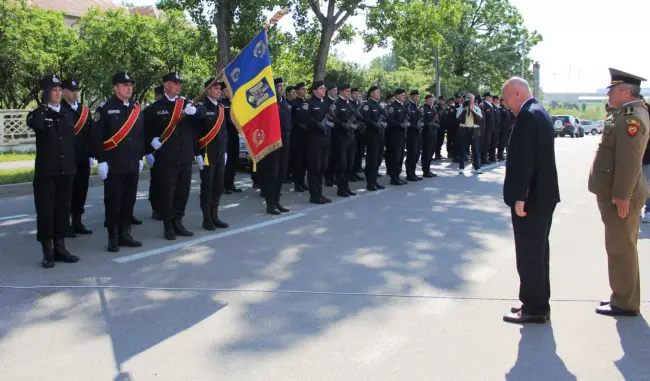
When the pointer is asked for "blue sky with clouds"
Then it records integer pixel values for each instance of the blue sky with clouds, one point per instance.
(581, 40)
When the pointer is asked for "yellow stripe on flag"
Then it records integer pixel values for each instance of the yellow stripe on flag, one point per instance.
(241, 110)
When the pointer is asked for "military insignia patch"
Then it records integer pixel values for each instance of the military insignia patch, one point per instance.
(259, 93)
(366, 108)
(629, 110)
(258, 137)
(96, 116)
(305, 106)
(633, 122)
(260, 49)
(632, 130)
(390, 110)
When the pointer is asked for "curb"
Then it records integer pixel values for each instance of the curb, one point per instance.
(26, 189)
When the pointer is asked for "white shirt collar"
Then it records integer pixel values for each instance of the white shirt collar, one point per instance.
(215, 102)
(330, 97)
(75, 106)
(56, 108)
(397, 100)
(170, 99)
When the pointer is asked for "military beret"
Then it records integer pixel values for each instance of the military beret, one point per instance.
(290, 88)
(428, 96)
(496, 96)
(344, 86)
(620, 77)
(70, 84)
(371, 89)
(278, 80)
(122, 77)
(352, 90)
(49, 81)
(159, 90)
(389, 96)
(317, 84)
(457, 95)
(223, 85)
(442, 98)
(209, 82)
(172, 77)
(331, 86)
(487, 94)
(415, 92)
(299, 85)
(399, 91)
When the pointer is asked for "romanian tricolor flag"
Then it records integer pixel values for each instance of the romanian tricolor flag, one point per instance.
(254, 107)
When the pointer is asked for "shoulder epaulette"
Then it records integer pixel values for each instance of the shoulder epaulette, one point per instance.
(629, 110)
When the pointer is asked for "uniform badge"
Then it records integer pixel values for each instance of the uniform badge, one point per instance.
(96, 116)
(366, 108)
(390, 110)
(633, 122)
(632, 130)
(305, 106)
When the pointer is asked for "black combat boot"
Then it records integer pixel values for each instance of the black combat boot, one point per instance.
(61, 254)
(280, 207)
(170, 233)
(135, 221)
(78, 227)
(214, 214)
(180, 230)
(271, 209)
(48, 254)
(125, 238)
(347, 189)
(113, 242)
(207, 219)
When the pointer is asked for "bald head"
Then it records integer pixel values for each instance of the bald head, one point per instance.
(515, 92)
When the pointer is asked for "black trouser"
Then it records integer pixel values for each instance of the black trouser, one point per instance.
(268, 170)
(153, 188)
(485, 145)
(494, 144)
(283, 169)
(532, 252)
(503, 141)
(174, 183)
(440, 138)
(345, 148)
(358, 151)
(332, 163)
(52, 196)
(120, 191)
(298, 157)
(395, 140)
(212, 183)
(80, 188)
(429, 144)
(374, 142)
(451, 137)
(317, 156)
(413, 150)
(232, 149)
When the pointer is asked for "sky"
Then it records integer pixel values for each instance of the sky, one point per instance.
(581, 41)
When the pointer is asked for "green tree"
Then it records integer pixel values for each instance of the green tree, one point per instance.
(33, 42)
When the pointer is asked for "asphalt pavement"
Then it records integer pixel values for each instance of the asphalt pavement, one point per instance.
(409, 283)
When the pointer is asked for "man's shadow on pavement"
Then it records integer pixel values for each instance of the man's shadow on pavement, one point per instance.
(635, 337)
(537, 358)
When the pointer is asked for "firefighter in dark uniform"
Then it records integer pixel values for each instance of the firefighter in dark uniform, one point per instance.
(233, 145)
(440, 139)
(430, 120)
(331, 170)
(117, 136)
(359, 150)
(299, 121)
(496, 135)
(504, 128)
(209, 122)
(54, 171)
(398, 123)
(173, 142)
(318, 138)
(345, 124)
(374, 119)
(413, 137)
(159, 93)
(488, 117)
(83, 157)
(272, 169)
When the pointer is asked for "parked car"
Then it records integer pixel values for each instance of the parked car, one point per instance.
(567, 125)
(243, 152)
(591, 127)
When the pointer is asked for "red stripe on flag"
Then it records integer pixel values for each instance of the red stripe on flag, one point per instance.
(263, 131)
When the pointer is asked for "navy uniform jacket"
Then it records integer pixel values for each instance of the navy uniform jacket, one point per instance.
(82, 139)
(109, 117)
(371, 112)
(285, 110)
(431, 119)
(343, 112)
(182, 145)
(205, 118)
(317, 108)
(55, 141)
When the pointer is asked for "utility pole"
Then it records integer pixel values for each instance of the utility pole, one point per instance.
(536, 81)
(523, 56)
(437, 64)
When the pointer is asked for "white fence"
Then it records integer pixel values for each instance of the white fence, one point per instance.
(14, 130)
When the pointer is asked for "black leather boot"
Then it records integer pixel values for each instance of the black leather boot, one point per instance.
(347, 189)
(135, 221)
(48, 254)
(113, 245)
(279, 206)
(214, 214)
(125, 238)
(61, 254)
(78, 227)
(272, 210)
(170, 233)
(207, 219)
(180, 230)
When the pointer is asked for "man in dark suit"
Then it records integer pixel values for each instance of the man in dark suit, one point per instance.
(531, 191)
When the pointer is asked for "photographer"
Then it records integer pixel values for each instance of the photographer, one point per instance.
(469, 117)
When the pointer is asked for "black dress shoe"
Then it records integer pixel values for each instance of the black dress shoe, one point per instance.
(125, 239)
(404, 182)
(61, 254)
(419, 178)
(135, 221)
(428, 175)
(281, 208)
(396, 182)
(327, 200)
(342, 193)
(180, 230)
(271, 209)
(319, 201)
(208, 224)
(214, 214)
(521, 318)
(239, 190)
(350, 192)
(298, 188)
(78, 227)
(378, 186)
(610, 310)
(411, 178)
(371, 188)
(514, 310)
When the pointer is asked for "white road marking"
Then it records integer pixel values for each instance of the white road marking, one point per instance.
(13, 217)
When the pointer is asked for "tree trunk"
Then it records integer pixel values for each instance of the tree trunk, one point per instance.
(222, 21)
(320, 66)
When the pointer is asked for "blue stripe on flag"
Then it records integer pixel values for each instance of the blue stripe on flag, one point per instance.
(250, 62)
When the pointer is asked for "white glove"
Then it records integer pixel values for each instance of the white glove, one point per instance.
(225, 157)
(150, 160)
(102, 168)
(190, 109)
(91, 161)
(141, 165)
(156, 144)
(199, 161)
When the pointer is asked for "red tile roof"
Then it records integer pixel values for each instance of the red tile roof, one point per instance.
(74, 8)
